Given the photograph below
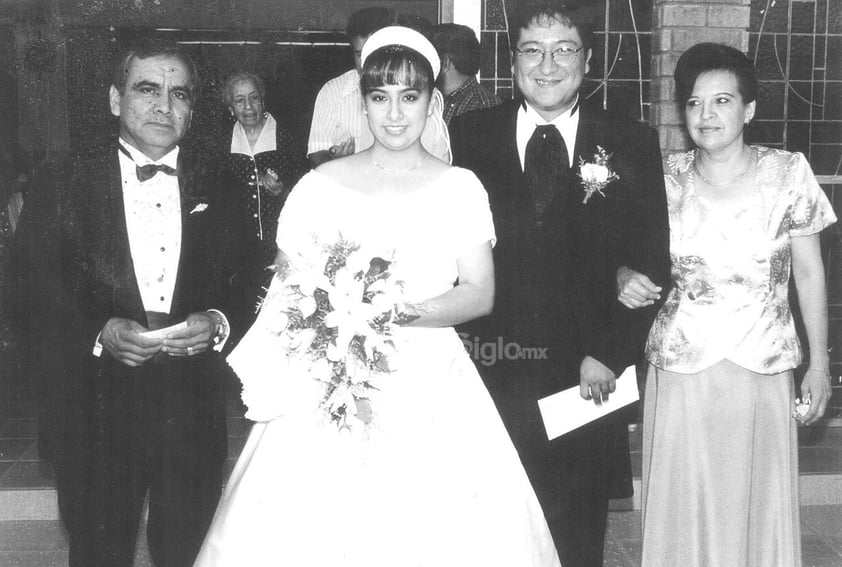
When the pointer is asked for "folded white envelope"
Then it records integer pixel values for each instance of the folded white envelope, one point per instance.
(161, 333)
(567, 410)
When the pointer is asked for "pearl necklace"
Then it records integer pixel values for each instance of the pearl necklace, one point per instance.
(723, 183)
(397, 171)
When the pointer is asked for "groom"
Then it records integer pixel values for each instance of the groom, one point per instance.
(560, 255)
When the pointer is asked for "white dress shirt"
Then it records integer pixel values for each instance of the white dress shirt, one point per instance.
(153, 220)
(567, 123)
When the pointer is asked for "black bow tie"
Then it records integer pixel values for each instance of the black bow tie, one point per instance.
(146, 172)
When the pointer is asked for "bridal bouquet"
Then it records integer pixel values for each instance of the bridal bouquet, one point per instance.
(339, 319)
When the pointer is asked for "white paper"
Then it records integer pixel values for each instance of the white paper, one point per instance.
(567, 410)
(161, 333)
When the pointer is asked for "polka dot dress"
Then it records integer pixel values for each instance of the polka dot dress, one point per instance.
(289, 164)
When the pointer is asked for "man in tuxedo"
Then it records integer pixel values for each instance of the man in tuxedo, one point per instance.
(560, 255)
(114, 244)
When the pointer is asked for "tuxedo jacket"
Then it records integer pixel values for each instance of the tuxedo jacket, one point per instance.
(556, 271)
(77, 266)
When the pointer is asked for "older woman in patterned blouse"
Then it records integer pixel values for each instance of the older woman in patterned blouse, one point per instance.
(265, 160)
(720, 455)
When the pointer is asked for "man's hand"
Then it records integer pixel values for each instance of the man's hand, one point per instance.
(339, 150)
(635, 290)
(121, 338)
(342, 149)
(596, 380)
(194, 339)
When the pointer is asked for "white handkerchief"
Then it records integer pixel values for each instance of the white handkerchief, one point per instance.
(567, 410)
(199, 208)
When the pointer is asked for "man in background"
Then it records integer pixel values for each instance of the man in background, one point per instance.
(460, 57)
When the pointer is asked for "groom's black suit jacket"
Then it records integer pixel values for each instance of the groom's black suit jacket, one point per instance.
(555, 277)
(75, 259)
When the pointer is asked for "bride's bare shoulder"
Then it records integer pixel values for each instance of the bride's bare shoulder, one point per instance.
(339, 169)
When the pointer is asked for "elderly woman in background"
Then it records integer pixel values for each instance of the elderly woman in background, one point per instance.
(720, 449)
(265, 160)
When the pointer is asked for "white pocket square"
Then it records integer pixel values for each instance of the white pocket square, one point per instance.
(199, 208)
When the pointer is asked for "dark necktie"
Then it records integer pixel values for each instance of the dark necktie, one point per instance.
(545, 165)
(147, 172)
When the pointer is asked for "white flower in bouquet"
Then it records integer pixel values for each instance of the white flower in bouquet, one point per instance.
(339, 317)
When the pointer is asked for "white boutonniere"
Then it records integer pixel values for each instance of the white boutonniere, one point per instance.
(199, 208)
(598, 174)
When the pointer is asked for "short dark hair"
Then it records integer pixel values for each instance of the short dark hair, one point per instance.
(704, 57)
(572, 14)
(415, 22)
(458, 43)
(365, 22)
(239, 77)
(396, 65)
(154, 48)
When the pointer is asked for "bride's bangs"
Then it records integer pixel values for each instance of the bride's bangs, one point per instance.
(396, 65)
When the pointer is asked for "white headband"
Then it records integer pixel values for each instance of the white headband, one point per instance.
(407, 37)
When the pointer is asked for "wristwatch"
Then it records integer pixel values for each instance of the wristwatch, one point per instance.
(220, 326)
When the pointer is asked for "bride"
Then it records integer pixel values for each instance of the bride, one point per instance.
(423, 472)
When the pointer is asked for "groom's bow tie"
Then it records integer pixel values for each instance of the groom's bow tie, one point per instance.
(148, 171)
(145, 172)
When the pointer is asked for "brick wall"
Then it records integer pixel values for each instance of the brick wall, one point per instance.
(677, 25)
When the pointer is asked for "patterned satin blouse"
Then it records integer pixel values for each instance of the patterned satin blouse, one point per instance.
(731, 268)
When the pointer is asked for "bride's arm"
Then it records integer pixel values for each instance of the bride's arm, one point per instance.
(472, 297)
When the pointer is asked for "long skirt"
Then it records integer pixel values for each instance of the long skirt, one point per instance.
(720, 469)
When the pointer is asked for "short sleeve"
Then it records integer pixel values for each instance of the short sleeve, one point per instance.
(811, 211)
(304, 220)
(324, 118)
(471, 213)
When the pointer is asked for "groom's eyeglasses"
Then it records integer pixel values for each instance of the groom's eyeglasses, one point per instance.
(562, 56)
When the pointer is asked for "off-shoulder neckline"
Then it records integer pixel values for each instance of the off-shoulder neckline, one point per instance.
(421, 188)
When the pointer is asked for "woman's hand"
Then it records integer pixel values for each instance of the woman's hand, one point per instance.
(808, 272)
(816, 388)
(271, 183)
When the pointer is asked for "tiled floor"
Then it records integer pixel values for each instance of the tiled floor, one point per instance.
(42, 543)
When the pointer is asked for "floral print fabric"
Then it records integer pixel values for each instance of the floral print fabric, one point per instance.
(731, 268)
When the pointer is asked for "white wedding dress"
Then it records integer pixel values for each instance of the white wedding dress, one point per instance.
(434, 481)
